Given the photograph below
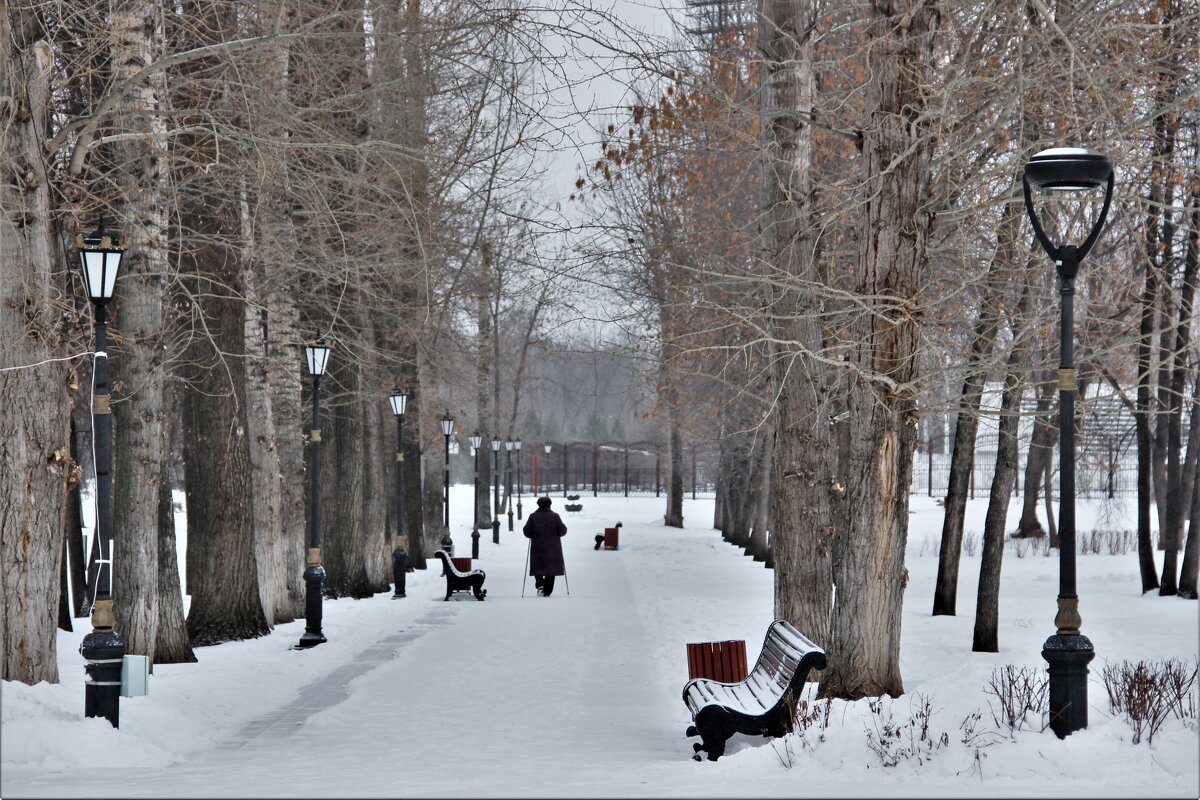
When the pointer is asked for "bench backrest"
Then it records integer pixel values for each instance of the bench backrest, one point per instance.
(783, 651)
(447, 563)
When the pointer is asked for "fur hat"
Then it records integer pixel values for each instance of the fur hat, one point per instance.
(544, 502)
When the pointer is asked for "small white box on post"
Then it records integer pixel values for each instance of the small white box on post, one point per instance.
(135, 676)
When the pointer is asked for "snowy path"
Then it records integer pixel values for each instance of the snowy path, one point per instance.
(579, 695)
(510, 696)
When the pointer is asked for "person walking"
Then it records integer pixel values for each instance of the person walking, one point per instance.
(544, 529)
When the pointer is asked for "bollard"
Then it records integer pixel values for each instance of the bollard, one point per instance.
(475, 543)
(103, 651)
(399, 570)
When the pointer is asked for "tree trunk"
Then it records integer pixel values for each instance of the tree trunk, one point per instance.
(34, 426)
(276, 243)
(64, 592)
(892, 270)
(1041, 452)
(806, 501)
(757, 547)
(485, 385)
(674, 515)
(1187, 498)
(1180, 347)
(344, 487)
(171, 644)
(962, 459)
(265, 468)
(987, 604)
(78, 557)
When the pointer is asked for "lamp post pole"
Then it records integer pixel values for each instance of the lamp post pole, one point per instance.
(546, 448)
(103, 649)
(447, 430)
(508, 446)
(476, 440)
(317, 355)
(517, 447)
(566, 466)
(398, 400)
(1068, 651)
(495, 491)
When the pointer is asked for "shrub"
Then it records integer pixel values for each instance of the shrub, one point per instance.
(1146, 694)
(894, 741)
(1019, 692)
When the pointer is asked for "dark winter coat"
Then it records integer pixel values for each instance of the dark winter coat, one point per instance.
(545, 530)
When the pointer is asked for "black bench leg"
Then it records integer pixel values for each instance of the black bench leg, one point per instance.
(713, 746)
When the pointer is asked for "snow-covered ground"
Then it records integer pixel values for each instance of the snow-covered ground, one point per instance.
(579, 694)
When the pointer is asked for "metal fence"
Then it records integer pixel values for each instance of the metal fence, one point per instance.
(635, 469)
(1105, 453)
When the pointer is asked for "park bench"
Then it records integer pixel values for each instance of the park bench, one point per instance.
(764, 704)
(609, 539)
(457, 581)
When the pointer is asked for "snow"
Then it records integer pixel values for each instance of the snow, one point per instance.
(579, 694)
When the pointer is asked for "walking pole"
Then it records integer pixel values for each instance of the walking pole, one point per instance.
(566, 580)
(526, 576)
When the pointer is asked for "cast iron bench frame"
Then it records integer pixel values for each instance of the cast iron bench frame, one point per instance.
(762, 705)
(462, 581)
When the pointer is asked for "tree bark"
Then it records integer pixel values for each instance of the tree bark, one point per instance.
(674, 515)
(806, 501)
(986, 637)
(34, 427)
(891, 272)
(139, 372)
(1041, 451)
(171, 644)
(757, 546)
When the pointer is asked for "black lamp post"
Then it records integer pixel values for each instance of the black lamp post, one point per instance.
(1068, 651)
(399, 400)
(496, 491)
(476, 440)
(508, 446)
(546, 447)
(317, 356)
(517, 447)
(103, 649)
(447, 431)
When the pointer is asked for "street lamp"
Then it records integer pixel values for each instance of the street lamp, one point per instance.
(103, 649)
(1068, 651)
(508, 446)
(399, 399)
(546, 447)
(476, 440)
(447, 431)
(496, 491)
(517, 446)
(317, 356)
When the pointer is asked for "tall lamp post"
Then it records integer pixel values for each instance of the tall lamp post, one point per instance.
(447, 431)
(476, 440)
(1068, 651)
(399, 399)
(103, 649)
(495, 491)
(508, 446)
(517, 447)
(317, 356)
(546, 447)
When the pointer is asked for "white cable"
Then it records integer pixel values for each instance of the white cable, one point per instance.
(47, 361)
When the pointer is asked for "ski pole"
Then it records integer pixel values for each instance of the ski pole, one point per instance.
(526, 576)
